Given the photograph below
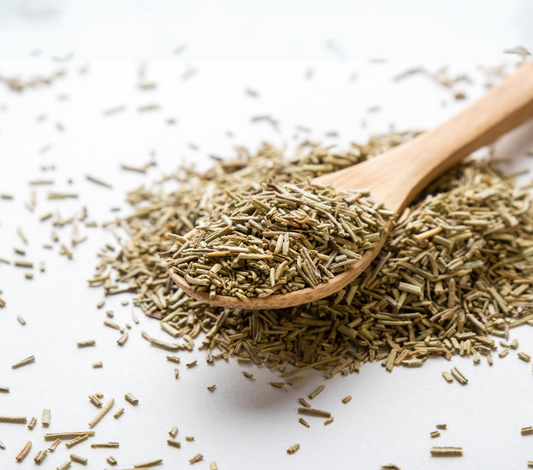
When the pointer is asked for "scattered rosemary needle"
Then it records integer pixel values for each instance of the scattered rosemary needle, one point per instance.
(95, 401)
(304, 422)
(504, 352)
(296, 381)
(459, 376)
(524, 356)
(85, 344)
(447, 377)
(347, 399)
(4, 389)
(130, 398)
(76, 441)
(22, 235)
(149, 463)
(141, 169)
(328, 421)
(149, 107)
(197, 458)
(172, 443)
(66, 435)
(316, 392)
(248, 375)
(111, 461)
(446, 451)
(211, 388)
(213, 466)
(277, 384)
(110, 324)
(21, 320)
(54, 445)
(78, 459)
(24, 452)
(122, 340)
(526, 431)
(62, 195)
(173, 432)
(98, 181)
(106, 445)
(32, 423)
(293, 449)
(64, 465)
(314, 412)
(23, 264)
(304, 403)
(441, 426)
(13, 419)
(41, 455)
(189, 438)
(97, 365)
(434, 434)
(102, 413)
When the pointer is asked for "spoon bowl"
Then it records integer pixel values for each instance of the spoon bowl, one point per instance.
(397, 176)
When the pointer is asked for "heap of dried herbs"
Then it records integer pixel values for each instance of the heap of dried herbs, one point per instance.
(456, 269)
(278, 239)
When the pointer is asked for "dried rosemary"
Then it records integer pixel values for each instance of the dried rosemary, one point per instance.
(278, 239)
(455, 269)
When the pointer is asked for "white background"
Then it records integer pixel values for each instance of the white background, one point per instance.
(243, 424)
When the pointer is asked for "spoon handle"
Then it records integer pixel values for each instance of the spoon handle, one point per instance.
(397, 176)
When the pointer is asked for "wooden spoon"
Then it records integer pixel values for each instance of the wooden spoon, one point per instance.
(397, 176)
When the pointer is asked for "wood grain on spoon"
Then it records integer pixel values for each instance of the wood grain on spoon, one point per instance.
(397, 176)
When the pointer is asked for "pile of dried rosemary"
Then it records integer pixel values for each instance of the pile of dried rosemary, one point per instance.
(456, 269)
(278, 239)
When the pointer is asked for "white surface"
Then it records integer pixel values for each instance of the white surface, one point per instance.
(243, 424)
(274, 29)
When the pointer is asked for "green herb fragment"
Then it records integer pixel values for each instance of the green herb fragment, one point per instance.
(293, 449)
(277, 384)
(197, 458)
(446, 451)
(524, 356)
(130, 398)
(149, 463)
(78, 459)
(315, 393)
